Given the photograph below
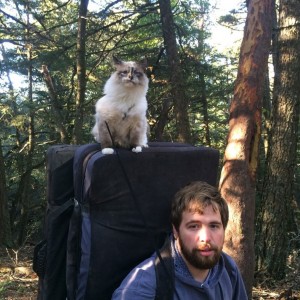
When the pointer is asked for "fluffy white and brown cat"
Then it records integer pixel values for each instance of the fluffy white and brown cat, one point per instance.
(123, 108)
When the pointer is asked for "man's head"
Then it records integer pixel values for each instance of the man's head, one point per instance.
(195, 197)
(199, 217)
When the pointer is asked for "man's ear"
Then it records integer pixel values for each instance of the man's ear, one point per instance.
(175, 232)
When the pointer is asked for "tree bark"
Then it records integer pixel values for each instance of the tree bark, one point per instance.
(58, 118)
(237, 182)
(275, 213)
(204, 103)
(25, 182)
(162, 119)
(5, 229)
(176, 79)
(26, 163)
(81, 72)
(202, 83)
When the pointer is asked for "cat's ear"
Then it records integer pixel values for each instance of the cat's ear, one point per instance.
(144, 63)
(116, 61)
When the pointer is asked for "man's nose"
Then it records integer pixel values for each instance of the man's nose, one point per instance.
(204, 234)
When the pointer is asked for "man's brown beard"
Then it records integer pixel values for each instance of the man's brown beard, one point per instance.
(197, 260)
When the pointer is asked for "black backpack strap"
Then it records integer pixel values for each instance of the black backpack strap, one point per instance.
(164, 271)
(56, 210)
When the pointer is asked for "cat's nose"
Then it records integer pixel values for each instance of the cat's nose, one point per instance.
(130, 76)
(130, 73)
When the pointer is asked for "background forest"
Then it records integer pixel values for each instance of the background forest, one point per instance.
(55, 56)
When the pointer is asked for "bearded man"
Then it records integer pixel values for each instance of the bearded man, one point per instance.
(194, 265)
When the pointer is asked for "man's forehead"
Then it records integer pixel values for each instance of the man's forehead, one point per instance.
(193, 211)
(201, 206)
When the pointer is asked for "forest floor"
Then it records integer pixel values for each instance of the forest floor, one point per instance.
(19, 282)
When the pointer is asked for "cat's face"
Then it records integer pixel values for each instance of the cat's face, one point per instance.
(130, 73)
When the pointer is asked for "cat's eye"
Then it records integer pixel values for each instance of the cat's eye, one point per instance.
(138, 74)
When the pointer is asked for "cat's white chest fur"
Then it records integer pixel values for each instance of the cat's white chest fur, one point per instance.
(110, 105)
(123, 109)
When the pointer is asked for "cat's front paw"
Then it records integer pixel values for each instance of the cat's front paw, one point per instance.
(137, 149)
(107, 151)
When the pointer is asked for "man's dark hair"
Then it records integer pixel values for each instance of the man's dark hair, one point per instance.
(195, 197)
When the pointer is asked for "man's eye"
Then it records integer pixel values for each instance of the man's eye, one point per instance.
(215, 226)
(193, 226)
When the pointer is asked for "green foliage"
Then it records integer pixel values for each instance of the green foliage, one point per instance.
(229, 19)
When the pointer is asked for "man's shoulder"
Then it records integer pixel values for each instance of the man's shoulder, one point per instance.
(229, 261)
(146, 264)
(230, 268)
(235, 277)
(140, 283)
(144, 271)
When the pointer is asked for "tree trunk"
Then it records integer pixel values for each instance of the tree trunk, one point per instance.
(5, 230)
(81, 72)
(276, 204)
(202, 83)
(56, 108)
(176, 79)
(25, 181)
(237, 181)
(204, 103)
(162, 119)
